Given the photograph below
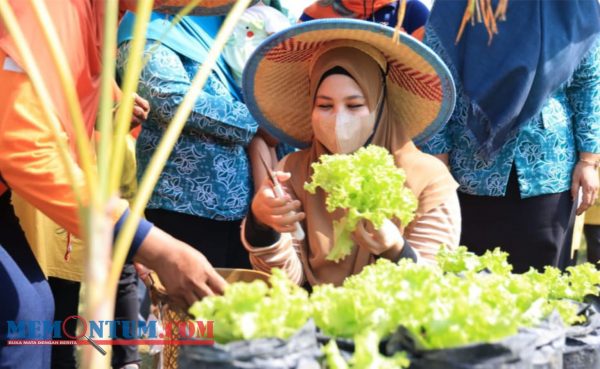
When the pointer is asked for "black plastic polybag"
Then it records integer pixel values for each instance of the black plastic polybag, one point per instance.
(300, 351)
(532, 348)
(582, 350)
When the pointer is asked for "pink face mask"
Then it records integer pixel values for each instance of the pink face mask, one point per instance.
(343, 133)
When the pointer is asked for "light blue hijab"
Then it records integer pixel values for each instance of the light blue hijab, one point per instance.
(192, 37)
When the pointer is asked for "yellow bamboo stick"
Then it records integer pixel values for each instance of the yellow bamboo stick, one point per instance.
(105, 108)
(399, 21)
(99, 305)
(158, 160)
(99, 297)
(82, 140)
(47, 105)
(130, 82)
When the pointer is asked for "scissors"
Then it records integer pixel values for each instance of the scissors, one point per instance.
(298, 234)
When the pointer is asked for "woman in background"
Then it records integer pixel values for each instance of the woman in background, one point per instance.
(205, 188)
(523, 139)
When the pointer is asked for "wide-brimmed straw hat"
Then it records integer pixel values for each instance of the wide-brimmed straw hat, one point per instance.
(420, 89)
(205, 7)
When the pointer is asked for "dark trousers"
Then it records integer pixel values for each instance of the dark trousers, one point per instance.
(565, 259)
(66, 296)
(219, 241)
(127, 307)
(531, 230)
(26, 295)
(592, 238)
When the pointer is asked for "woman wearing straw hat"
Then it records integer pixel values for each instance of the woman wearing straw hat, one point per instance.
(318, 82)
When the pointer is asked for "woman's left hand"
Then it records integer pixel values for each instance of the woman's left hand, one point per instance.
(585, 176)
(378, 241)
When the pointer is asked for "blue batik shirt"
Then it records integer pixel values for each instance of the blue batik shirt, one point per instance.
(544, 151)
(208, 172)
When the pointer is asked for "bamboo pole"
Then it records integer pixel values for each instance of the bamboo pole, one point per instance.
(105, 107)
(100, 305)
(30, 66)
(130, 82)
(399, 21)
(82, 140)
(158, 160)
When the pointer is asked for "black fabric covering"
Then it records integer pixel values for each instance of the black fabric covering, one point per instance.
(532, 348)
(582, 346)
(301, 351)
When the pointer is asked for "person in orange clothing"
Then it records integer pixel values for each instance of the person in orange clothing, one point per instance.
(379, 11)
(30, 166)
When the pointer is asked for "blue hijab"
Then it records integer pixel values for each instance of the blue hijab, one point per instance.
(536, 51)
(192, 38)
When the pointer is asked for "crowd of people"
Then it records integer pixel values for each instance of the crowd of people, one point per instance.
(500, 142)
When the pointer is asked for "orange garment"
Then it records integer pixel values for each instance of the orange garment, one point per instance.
(419, 33)
(78, 26)
(136, 131)
(29, 158)
(322, 9)
(49, 241)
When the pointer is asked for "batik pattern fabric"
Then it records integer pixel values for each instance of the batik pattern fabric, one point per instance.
(544, 151)
(208, 172)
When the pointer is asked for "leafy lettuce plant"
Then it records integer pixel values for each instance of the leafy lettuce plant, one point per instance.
(368, 185)
(366, 355)
(255, 310)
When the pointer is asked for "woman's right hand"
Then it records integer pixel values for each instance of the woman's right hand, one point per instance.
(280, 214)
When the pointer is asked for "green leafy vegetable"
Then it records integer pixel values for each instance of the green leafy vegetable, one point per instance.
(333, 357)
(462, 260)
(457, 261)
(477, 299)
(253, 310)
(368, 185)
(471, 299)
(440, 310)
(366, 355)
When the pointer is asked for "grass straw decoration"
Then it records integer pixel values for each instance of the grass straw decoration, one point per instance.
(168, 141)
(82, 140)
(400, 20)
(47, 105)
(483, 12)
(466, 17)
(107, 91)
(130, 82)
(98, 304)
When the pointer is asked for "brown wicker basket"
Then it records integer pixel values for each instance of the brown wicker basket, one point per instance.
(160, 298)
